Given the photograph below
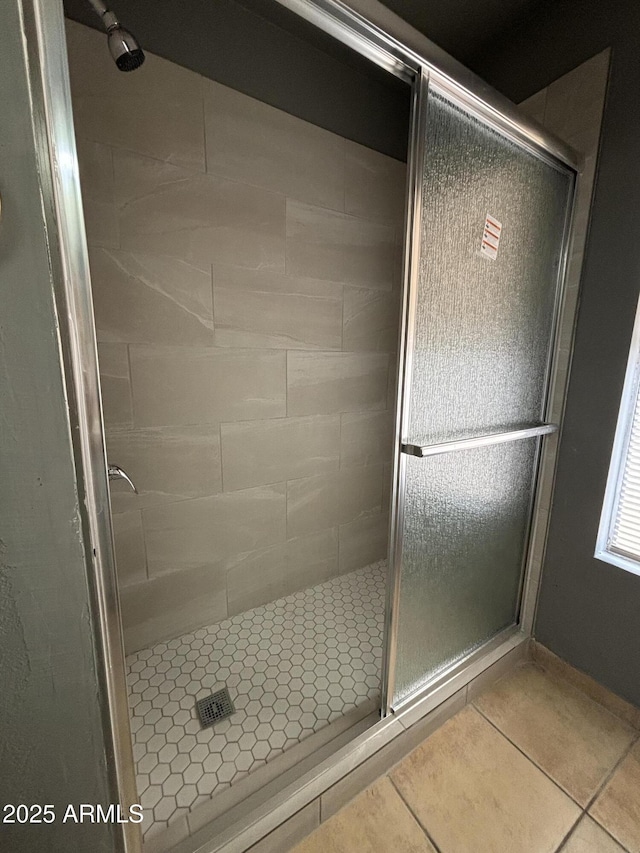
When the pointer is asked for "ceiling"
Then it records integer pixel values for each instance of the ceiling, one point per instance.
(464, 28)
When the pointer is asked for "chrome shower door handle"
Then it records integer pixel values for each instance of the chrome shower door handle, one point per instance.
(116, 473)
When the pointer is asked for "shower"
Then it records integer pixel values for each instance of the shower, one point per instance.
(124, 47)
(247, 283)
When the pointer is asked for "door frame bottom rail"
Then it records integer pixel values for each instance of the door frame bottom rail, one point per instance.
(508, 647)
(455, 676)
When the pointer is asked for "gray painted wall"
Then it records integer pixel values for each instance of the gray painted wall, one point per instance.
(589, 611)
(265, 51)
(51, 738)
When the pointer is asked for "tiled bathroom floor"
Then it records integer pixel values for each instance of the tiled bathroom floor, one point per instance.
(531, 766)
(292, 667)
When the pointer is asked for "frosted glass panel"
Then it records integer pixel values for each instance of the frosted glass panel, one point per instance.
(466, 523)
(480, 348)
(483, 326)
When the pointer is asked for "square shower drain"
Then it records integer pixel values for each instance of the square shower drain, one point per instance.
(214, 708)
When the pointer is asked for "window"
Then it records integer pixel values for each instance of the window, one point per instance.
(619, 533)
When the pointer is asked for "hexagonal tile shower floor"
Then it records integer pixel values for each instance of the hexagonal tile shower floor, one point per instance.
(292, 667)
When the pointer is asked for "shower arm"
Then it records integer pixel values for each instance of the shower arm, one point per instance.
(107, 17)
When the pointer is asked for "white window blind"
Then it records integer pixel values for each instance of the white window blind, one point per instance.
(624, 536)
(619, 533)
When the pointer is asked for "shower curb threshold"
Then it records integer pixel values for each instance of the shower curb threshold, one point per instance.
(389, 739)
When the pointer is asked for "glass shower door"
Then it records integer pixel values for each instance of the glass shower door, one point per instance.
(479, 333)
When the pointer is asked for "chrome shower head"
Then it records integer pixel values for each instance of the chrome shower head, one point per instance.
(126, 51)
(123, 46)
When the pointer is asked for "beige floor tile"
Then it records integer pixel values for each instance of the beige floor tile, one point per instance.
(574, 740)
(375, 822)
(561, 669)
(588, 837)
(618, 806)
(474, 791)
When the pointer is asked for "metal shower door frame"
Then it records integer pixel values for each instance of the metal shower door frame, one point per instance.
(374, 32)
(45, 40)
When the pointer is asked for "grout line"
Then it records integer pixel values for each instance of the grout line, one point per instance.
(144, 546)
(606, 831)
(528, 757)
(389, 223)
(584, 809)
(193, 172)
(339, 538)
(287, 538)
(286, 383)
(342, 320)
(566, 838)
(226, 601)
(185, 639)
(414, 815)
(612, 772)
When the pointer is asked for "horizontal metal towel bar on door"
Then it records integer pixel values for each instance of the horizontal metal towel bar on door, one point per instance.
(478, 441)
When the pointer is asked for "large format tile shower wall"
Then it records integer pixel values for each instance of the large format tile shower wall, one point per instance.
(245, 269)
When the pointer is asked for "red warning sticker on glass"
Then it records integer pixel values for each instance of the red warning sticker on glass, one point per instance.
(491, 237)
